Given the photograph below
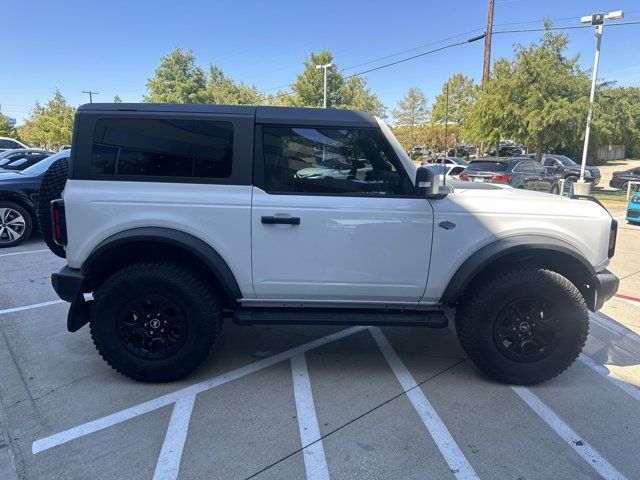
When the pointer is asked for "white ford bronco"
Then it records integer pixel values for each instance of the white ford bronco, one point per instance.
(176, 216)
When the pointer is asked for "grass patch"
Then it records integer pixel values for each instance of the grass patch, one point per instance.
(610, 196)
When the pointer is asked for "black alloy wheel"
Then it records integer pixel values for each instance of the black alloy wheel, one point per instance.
(152, 326)
(526, 330)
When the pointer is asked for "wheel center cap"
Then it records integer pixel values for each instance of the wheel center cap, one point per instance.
(524, 327)
(155, 323)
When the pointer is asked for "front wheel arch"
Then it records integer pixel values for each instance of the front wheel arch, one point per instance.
(527, 250)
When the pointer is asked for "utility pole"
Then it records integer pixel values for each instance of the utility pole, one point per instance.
(91, 93)
(324, 95)
(487, 55)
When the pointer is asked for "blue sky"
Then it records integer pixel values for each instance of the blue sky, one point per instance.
(113, 47)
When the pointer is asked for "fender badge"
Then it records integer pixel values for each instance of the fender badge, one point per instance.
(447, 225)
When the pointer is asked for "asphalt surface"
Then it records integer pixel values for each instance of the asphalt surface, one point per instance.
(313, 402)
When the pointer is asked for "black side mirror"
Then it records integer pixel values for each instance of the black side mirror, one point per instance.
(429, 180)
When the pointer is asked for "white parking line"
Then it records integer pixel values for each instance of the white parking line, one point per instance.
(164, 400)
(168, 463)
(581, 447)
(29, 307)
(23, 253)
(610, 324)
(315, 462)
(452, 454)
(602, 370)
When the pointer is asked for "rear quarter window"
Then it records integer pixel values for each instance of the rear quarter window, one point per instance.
(162, 148)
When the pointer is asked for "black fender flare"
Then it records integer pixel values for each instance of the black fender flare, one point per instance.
(169, 236)
(521, 247)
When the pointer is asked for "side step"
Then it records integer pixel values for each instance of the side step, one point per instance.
(346, 316)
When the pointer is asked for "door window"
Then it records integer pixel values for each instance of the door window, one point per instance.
(342, 161)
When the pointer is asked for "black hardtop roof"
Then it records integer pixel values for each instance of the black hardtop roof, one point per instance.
(267, 115)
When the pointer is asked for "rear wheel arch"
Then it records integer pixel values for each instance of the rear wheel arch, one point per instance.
(538, 251)
(149, 243)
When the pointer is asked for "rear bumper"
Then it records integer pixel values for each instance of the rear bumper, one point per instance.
(69, 285)
(606, 285)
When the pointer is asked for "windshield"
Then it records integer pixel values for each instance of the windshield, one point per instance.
(488, 166)
(566, 161)
(43, 165)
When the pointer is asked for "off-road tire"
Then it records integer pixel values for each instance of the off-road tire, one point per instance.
(194, 296)
(53, 183)
(478, 311)
(28, 222)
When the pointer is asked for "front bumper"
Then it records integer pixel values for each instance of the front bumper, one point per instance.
(633, 212)
(69, 285)
(605, 286)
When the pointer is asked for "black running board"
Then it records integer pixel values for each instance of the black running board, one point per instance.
(326, 316)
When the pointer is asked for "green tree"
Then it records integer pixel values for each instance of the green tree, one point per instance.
(6, 129)
(539, 98)
(355, 94)
(51, 125)
(616, 118)
(224, 90)
(307, 90)
(178, 79)
(462, 96)
(412, 108)
(117, 99)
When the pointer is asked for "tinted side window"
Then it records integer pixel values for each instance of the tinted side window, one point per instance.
(538, 168)
(9, 144)
(162, 148)
(548, 162)
(519, 168)
(331, 160)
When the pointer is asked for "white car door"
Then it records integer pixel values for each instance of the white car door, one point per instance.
(337, 239)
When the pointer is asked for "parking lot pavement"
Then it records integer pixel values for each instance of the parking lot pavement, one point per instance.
(314, 402)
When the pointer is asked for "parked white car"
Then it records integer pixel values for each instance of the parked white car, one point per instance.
(7, 143)
(177, 215)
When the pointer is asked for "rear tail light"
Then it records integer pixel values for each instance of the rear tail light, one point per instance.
(501, 178)
(615, 174)
(58, 223)
(613, 234)
(463, 176)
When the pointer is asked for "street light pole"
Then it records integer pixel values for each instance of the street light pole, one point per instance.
(324, 94)
(592, 95)
(597, 20)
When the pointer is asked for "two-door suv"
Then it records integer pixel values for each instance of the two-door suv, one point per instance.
(177, 216)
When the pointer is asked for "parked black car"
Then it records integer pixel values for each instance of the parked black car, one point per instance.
(506, 151)
(22, 158)
(19, 198)
(515, 171)
(564, 167)
(622, 179)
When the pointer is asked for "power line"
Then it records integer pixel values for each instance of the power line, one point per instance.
(569, 27)
(451, 45)
(411, 49)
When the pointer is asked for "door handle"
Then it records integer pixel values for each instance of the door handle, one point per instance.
(281, 220)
